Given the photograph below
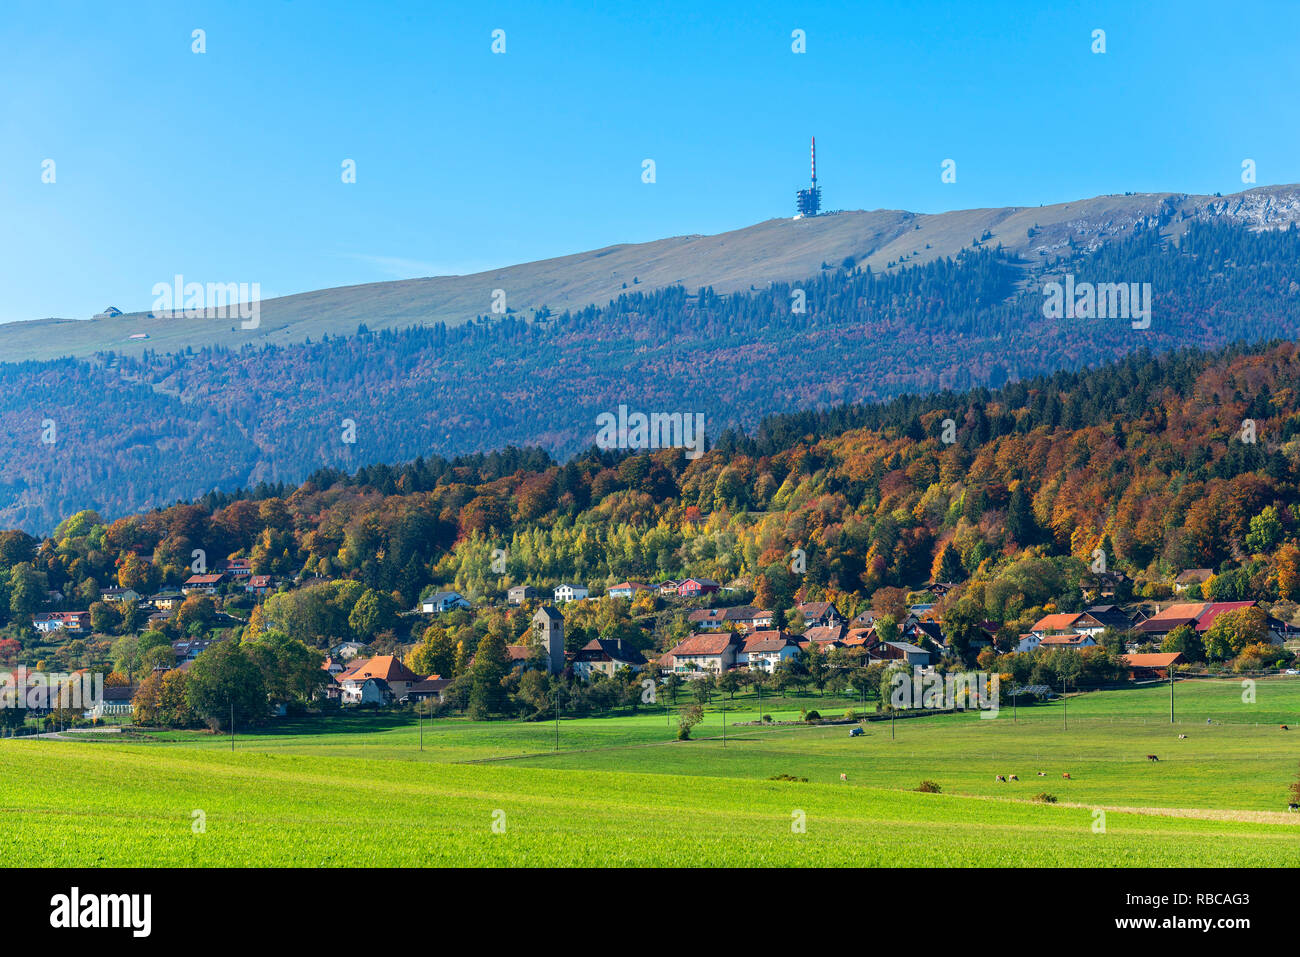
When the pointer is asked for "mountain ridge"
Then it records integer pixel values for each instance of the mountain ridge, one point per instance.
(745, 259)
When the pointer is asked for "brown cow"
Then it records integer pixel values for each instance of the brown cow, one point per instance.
(1067, 777)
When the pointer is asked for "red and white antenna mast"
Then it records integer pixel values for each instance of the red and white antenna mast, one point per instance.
(814, 162)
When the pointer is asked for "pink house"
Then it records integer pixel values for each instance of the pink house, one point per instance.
(696, 586)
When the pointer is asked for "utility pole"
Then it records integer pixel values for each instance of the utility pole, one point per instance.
(724, 722)
(1065, 705)
(420, 715)
(1171, 694)
(557, 719)
(232, 724)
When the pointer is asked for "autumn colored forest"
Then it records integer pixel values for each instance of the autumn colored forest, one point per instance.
(1159, 463)
(140, 433)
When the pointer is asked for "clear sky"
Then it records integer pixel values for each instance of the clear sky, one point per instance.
(226, 166)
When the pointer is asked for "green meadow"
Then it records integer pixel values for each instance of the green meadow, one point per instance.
(384, 789)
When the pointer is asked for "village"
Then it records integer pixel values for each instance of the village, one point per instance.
(675, 631)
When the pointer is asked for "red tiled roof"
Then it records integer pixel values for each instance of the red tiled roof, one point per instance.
(702, 645)
(1162, 660)
(388, 667)
(1206, 618)
(1057, 622)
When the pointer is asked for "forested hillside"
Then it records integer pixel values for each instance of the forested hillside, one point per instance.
(141, 433)
(1146, 460)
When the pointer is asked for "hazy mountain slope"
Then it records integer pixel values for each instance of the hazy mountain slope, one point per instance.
(140, 433)
(779, 250)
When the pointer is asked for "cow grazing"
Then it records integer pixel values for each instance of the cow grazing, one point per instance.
(1014, 778)
(1182, 737)
(1152, 757)
(844, 777)
(1067, 777)
(1293, 807)
(1042, 774)
(1285, 728)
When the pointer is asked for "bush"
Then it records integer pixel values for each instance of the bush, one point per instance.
(929, 787)
(850, 715)
(1042, 797)
(812, 716)
(786, 777)
(767, 719)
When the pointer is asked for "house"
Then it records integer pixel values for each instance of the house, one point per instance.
(859, 637)
(1028, 642)
(237, 567)
(1151, 667)
(606, 656)
(864, 619)
(521, 593)
(202, 584)
(396, 676)
(1067, 641)
(114, 595)
(899, 651)
(1111, 616)
(375, 691)
(347, 650)
(73, 622)
(919, 631)
(765, 650)
(825, 637)
(332, 666)
(258, 584)
(744, 617)
(1068, 623)
(115, 699)
(1192, 576)
(433, 688)
(627, 589)
(190, 648)
(819, 614)
(701, 653)
(749, 618)
(442, 601)
(1201, 615)
(669, 587)
(165, 600)
(708, 619)
(1105, 584)
(693, 587)
(567, 592)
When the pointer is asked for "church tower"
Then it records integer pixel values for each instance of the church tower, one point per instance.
(548, 627)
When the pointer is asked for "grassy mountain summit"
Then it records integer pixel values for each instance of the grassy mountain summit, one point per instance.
(778, 250)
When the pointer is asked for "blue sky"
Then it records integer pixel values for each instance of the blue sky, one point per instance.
(226, 166)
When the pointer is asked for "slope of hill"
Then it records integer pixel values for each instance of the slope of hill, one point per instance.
(779, 250)
(1145, 459)
(141, 433)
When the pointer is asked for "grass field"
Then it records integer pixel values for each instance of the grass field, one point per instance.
(356, 790)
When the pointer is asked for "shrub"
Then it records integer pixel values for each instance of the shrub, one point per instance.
(786, 777)
(1043, 797)
(812, 716)
(929, 787)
